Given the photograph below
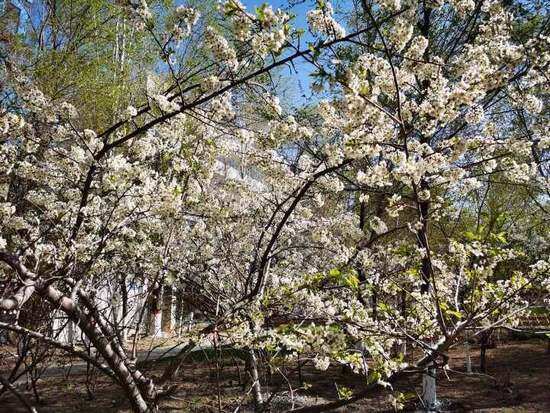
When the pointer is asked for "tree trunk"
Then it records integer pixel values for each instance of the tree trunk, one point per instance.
(70, 332)
(482, 357)
(155, 311)
(155, 323)
(167, 317)
(179, 312)
(252, 366)
(429, 396)
(468, 358)
(484, 344)
(102, 344)
(125, 309)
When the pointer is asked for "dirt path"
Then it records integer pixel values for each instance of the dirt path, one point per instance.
(520, 382)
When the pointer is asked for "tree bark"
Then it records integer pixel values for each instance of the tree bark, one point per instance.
(429, 396)
(484, 341)
(101, 343)
(252, 365)
(468, 358)
(155, 311)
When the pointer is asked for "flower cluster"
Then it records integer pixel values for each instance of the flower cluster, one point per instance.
(220, 48)
(320, 20)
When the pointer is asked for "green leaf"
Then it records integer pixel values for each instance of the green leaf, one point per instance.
(470, 236)
(351, 281)
(344, 392)
(373, 377)
(383, 307)
(455, 313)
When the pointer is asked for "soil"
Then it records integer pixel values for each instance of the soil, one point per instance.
(517, 380)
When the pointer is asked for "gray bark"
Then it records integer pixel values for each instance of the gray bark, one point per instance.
(256, 386)
(429, 396)
(102, 344)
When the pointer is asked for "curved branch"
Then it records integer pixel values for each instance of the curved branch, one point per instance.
(26, 291)
(288, 213)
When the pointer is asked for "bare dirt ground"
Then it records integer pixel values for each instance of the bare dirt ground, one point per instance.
(519, 382)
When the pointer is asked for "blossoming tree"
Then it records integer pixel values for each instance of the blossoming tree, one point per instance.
(352, 230)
